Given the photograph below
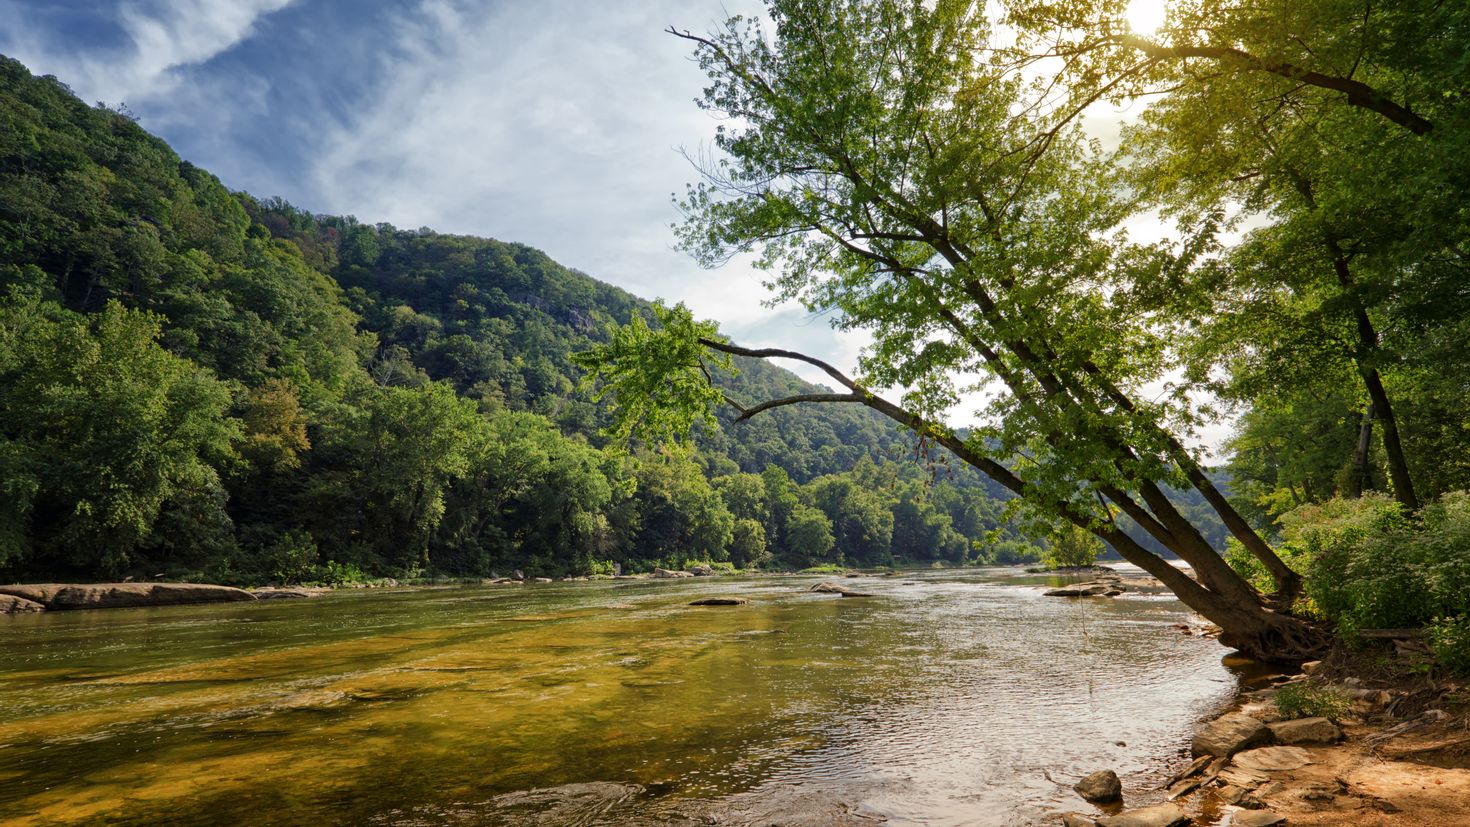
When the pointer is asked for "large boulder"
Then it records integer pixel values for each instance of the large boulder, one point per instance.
(669, 573)
(1228, 735)
(12, 605)
(1159, 815)
(1306, 731)
(1101, 787)
(57, 596)
(701, 570)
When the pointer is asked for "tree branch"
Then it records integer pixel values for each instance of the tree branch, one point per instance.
(747, 413)
(1358, 93)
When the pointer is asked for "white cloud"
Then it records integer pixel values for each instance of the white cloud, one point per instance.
(163, 37)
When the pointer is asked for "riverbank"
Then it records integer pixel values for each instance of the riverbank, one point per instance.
(1396, 753)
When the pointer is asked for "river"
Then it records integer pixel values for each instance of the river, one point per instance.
(948, 698)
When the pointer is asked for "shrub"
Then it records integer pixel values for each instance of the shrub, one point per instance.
(292, 558)
(1450, 639)
(1308, 700)
(342, 574)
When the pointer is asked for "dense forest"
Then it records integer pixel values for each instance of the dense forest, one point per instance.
(198, 384)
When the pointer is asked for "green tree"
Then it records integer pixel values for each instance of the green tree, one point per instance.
(101, 430)
(907, 187)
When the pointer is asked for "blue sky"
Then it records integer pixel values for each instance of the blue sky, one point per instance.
(553, 123)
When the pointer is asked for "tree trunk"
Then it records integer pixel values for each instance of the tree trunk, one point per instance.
(1359, 479)
(1398, 465)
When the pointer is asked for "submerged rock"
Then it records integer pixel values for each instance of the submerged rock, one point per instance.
(1101, 787)
(1078, 820)
(287, 594)
(720, 601)
(11, 605)
(57, 596)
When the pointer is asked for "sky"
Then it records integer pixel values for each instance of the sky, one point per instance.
(561, 124)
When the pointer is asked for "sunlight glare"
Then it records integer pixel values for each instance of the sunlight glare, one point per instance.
(1145, 17)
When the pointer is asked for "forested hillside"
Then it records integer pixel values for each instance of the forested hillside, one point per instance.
(197, 383)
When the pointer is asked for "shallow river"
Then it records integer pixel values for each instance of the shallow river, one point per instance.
(949, 698)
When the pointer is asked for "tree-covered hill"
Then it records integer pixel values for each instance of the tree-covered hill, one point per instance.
(197, 383)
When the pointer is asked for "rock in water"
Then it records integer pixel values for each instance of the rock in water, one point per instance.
(57, 596)
(1160, 815)
(721, 601)
(1228, 735)
(1077, 820)
(833, 588)
(12, 605)
(1101, 787)
(1094, 589)
(1306, 731)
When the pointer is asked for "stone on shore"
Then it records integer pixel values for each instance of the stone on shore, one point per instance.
(1159, 815)
(669, 574)
(702, 570)
(1101, 787)
(1273, 759)
(12, 605)
(1255, 818)
(721, 601)
(1306, 731)
(59, 596)
(1228, 735)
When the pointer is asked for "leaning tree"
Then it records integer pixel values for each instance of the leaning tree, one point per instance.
(882, 161)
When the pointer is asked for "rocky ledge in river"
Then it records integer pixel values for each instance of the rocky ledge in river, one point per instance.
(834, 588)
(12, 605)
(1108, 584)
(59, 596)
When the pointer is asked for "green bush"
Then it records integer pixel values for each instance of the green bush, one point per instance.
(1370, 565)
(292, 558)
(342, 574)
(1308, 700)
(1450, 639)
(1071, 547)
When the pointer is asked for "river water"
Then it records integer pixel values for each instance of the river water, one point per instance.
(948, 698)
